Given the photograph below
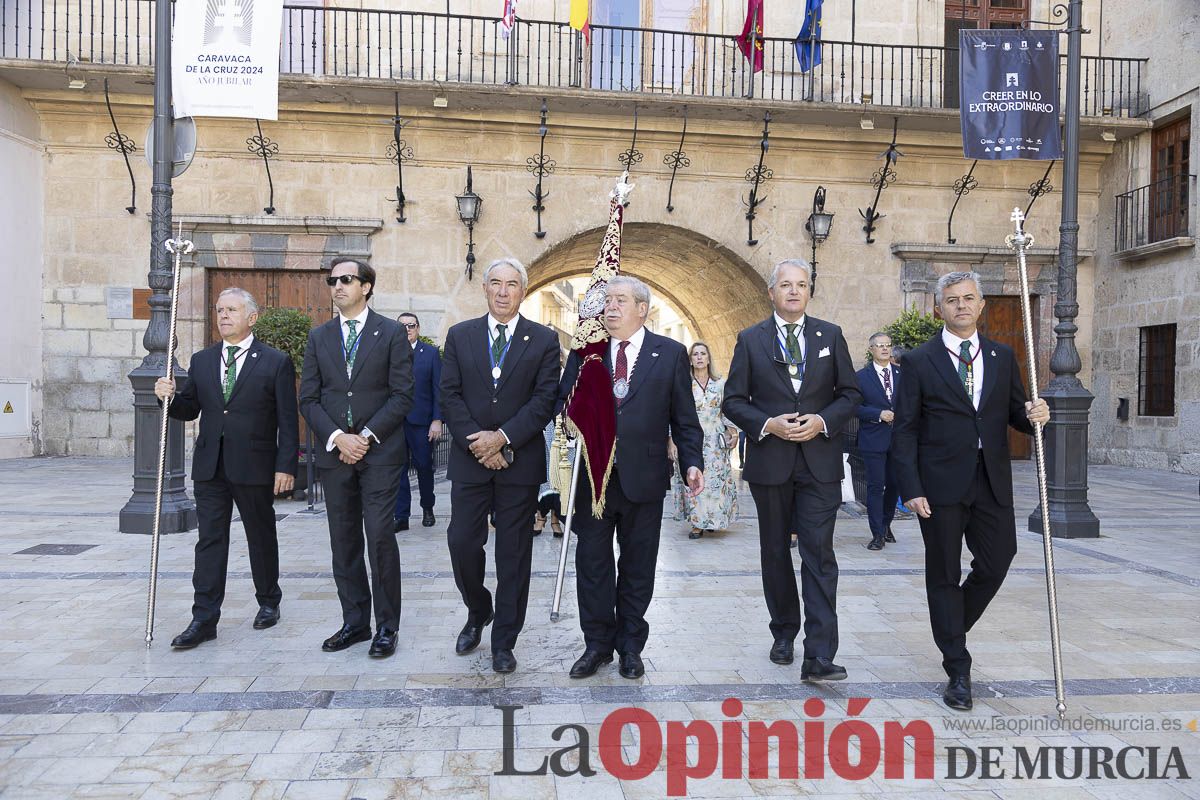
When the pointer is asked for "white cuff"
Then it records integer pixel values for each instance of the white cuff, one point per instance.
(505, 435)
(367, 433)
(763, 433)
(329, 445)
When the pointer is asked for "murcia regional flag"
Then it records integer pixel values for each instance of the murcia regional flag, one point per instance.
(225, 58)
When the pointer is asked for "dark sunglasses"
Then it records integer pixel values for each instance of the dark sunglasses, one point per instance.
(346, 280)
(410, 325)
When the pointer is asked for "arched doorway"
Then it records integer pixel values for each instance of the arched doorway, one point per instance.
(717, 291)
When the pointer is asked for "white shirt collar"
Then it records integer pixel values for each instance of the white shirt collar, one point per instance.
(879, 369)
(953, 343)
(361, 319)
(492, 322)
(242, 346)
(780, 322)
(635, 340)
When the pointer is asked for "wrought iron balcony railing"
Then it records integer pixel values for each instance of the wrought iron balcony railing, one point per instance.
(1154, 212)
(402, 45)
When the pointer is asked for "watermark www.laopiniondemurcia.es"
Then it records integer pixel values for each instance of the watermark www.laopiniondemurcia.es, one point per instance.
(851, 749)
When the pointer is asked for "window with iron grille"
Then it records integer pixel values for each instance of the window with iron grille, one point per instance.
(1156, 371)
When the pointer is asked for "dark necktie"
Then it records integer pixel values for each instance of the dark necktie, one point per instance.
(230, 370)
(351, 340)
(793, 343)
(887, 382)
(964, 370)
(498, 344)
(621, 370)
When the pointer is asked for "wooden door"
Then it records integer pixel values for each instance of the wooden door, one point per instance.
(970, 14)
(1001, 321)
(303, 290)
(1169, 190)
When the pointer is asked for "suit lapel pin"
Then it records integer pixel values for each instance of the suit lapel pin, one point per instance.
(376, 333)
(818, 333)
(254, 355)
(993, 354)
(655, 355)
(526, 339)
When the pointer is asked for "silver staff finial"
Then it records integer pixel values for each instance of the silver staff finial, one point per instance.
(1017, 217)
(1019, 240)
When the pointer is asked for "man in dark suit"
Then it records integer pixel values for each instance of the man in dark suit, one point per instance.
(791, 387)
(959, 395)
(652, 386)
(498, 390)
(422, 426)
(245, 395)
(877, 382)
(355, 390)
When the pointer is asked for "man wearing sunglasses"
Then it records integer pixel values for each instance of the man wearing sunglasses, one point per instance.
(792, 388)
(422, 426)
(355, 390)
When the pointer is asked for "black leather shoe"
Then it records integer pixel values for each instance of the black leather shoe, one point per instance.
(266, 617)
(958, 694)
(875, 544)
(428, 520)
(344, 638)
(470, 636)
(589, 662)
(814, 670)
(631, 666)
(696, 533)
(400, 524)
(195, 633)
(384, 644)
(888, 537)
(503, 661)
(782, 651)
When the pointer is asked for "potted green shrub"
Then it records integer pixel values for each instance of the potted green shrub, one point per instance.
(287, 329)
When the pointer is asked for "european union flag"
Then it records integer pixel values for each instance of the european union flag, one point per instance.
(808, 41)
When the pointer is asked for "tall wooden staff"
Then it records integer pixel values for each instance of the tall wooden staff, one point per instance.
(1019, 240)
(179, 247)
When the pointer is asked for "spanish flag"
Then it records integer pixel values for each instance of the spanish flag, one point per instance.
(581, 18)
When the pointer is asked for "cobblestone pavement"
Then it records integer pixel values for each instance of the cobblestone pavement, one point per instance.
(86, 710)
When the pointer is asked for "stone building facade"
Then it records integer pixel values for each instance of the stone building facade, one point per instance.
(75, 253)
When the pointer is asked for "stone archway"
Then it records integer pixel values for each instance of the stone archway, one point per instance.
(716, 290)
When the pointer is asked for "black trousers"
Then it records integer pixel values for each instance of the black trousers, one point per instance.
(811, 507)
(881, 493)
(359, 500)
(514, 507)
(214, 510)
(614, 593)
(420, 453)
(991, 535)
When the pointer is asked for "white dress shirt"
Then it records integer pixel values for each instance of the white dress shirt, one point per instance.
(361, 319)
(509, 328)
(879, 370)
(243, 348)
(953, 343)
(781, 330)
(631, 350)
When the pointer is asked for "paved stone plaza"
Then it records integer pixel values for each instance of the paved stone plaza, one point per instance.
(87, 711)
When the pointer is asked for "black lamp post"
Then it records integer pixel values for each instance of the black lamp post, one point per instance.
(178, 510)
(818, 226)
(1067, 434)
(469, 206)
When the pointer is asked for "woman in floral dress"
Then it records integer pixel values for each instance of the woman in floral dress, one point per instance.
(715, 508)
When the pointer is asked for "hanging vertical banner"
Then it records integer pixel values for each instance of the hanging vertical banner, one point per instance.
(225, 58)
(1008, 90)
